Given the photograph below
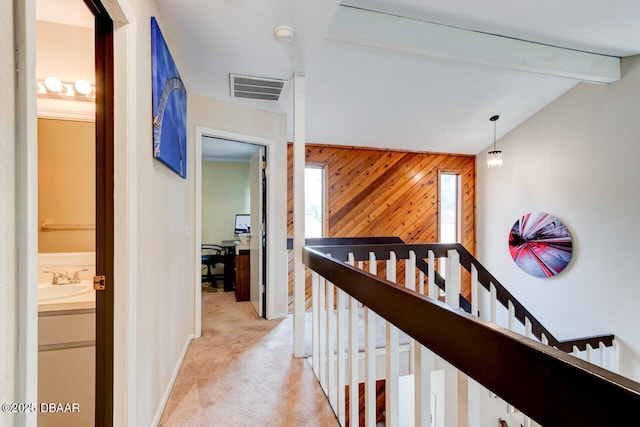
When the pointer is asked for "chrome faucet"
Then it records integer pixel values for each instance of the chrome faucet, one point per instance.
(76, 276)
(59, 278)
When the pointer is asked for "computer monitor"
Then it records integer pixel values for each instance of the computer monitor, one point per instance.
(243, 224)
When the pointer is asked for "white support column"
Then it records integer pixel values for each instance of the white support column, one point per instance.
(392, 382)
(299, 136)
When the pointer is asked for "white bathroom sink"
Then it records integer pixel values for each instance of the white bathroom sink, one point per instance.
(48, 292)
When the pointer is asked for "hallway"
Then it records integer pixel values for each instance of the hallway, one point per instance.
(241, 372)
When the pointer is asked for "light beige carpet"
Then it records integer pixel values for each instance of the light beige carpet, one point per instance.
(241, 372)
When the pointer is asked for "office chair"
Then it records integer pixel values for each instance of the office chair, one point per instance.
(211, 256)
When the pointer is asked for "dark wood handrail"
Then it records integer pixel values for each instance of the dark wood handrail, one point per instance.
(551, 387)
(347, 241)
(381, 251)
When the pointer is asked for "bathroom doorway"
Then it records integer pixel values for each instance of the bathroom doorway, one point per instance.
(75, 215)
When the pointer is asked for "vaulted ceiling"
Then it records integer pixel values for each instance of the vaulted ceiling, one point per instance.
(410, 74)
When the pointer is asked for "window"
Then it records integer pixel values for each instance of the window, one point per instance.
(314, 201)
(449, 218)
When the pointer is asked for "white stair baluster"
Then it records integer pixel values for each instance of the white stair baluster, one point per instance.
(474, 290)
(474, 389)
(322, 293)
(512, 315)
(340, 355)
(315, 323)
(528, 328)
(352, 354)
(331, 342)
(452, 298)
(433, 288)
(392, 382)
(354, 387)
(410, 283)
(603, 355)
(492, 302)
(452, 294)
(424, 364)
(370, 355)
(410, 271)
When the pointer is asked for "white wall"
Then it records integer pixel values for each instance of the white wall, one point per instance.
(577, 159)
(225, 193)
(8, 270)
(164, 310)
(219, 115)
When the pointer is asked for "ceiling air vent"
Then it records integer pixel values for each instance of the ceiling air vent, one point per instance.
(255, 87)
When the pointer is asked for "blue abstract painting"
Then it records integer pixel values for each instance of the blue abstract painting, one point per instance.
(169, 106)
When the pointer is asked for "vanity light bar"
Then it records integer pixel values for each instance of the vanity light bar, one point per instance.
(52, 87)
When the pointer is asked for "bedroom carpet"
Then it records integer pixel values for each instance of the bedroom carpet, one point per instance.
(241, 372)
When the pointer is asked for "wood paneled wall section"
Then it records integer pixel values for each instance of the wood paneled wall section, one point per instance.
(373, 192)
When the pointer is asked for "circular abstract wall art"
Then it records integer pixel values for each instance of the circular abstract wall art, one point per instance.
(540, 244)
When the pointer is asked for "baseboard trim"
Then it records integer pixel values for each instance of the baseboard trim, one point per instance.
(174, 376)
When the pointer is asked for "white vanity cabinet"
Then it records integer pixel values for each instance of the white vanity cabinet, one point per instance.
(66, 367)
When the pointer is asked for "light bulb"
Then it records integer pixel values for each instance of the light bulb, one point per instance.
(83, 87)
(53, 84)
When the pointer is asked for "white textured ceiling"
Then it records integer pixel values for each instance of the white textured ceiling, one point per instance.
(395, 98)
(370, 97)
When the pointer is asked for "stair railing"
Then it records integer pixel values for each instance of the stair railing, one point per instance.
(537, 379)
(480, 276)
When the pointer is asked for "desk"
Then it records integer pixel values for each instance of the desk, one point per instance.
(229, 247)
(243, 274)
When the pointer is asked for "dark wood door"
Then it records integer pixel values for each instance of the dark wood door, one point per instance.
(104, 211)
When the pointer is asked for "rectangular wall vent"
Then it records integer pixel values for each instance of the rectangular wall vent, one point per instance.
(255, 87)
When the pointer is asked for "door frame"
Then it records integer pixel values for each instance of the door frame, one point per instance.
(258, 241)
(105, 191)
(270, 200)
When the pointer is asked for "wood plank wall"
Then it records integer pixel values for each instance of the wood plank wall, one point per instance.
(374, 192)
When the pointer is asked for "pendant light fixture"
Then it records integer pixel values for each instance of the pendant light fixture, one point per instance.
(494, 157)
